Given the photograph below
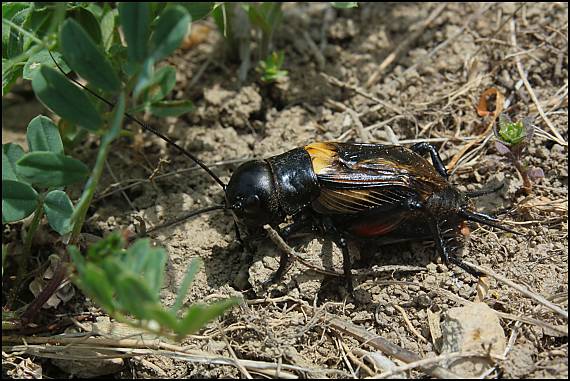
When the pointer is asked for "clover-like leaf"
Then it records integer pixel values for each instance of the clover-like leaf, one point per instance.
(199, 314)
(43, 135)
(160, 85)
(193, 268)
(86, 58)
(135, 20)
(170, 30)
(19, 200)
(50, 169)
(134, 296)
(43, 57)
(58, 209)
(108, 28)
(198, 10)
(11, 153)
(65, 99)
(148, 262)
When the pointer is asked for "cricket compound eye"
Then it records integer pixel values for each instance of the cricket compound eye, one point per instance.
(251, 194)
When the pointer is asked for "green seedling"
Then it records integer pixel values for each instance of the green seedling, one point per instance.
(270, 68)
(512, 140)
(126, 283)
(248, 25)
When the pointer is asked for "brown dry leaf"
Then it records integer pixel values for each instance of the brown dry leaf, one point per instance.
(197, 34)
(482, 289)
(434, 321)
(483, 106)
(482, 110)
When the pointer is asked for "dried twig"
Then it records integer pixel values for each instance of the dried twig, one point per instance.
(409, 323)
(314, 50)
(355, 359)
(404, 45)
(456, 298)
(522, 289)
(383, 345)
(364, 137)
(376, 358)
(449, 40)
(336, 82)
(233, 354)
(97, 348)
(200, 72)
(430, 361)
(559, 139)
(125, 196)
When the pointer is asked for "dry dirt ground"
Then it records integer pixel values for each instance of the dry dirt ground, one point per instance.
(430, 92)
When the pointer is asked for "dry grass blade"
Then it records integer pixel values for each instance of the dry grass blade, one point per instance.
(522, 289)
(336, 82)
(383, 345)
(409, 323)
(430, 361)
(500, 103)
(559, 139)
(471, 19)
(97, 348)
(404, 45)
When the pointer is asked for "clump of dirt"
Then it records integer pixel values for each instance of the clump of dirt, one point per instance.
(429, 93)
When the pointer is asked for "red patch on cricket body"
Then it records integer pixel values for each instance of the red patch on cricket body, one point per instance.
(373, 230)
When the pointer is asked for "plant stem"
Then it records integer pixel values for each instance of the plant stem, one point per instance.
(52, 286)
(24, 258)
(38, 214)
(273, 18)
(527, 184)
(24, 32)
(80, 212)
(515, 154)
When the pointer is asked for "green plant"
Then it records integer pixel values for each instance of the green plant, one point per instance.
(46, 168)
(93, 52)
(84, 38)
(270, 68)
(128, 282)
(32, 182)
(246, 24)
(512, 141)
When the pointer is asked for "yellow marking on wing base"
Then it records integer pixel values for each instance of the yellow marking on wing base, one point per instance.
(322, 156)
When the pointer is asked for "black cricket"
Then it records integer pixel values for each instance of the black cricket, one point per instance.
(346, 191)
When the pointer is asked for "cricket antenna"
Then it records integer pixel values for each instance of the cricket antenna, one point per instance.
(187, 216)
(484, 191)
(148, 128)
